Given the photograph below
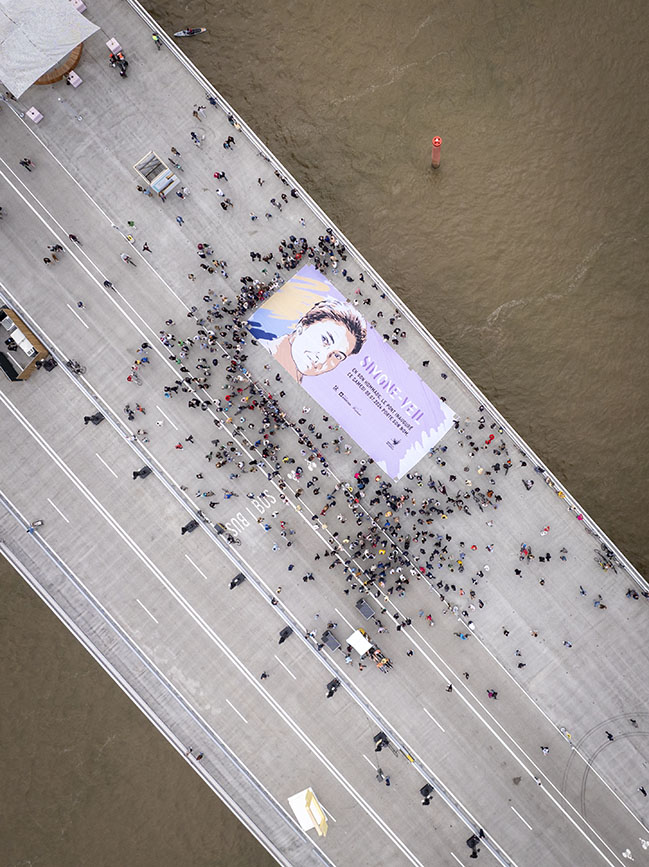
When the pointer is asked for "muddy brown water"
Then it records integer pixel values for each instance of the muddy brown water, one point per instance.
(526, 255)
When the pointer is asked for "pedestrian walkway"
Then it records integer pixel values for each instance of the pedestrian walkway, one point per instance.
(477, 542)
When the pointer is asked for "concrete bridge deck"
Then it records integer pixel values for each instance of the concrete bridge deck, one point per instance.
(155, 608)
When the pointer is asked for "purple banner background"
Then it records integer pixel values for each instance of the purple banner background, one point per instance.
(373, 395)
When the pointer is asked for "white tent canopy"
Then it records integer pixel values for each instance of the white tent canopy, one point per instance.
(34, 36)
(358, 641)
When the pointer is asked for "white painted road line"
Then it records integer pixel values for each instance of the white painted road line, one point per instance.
(72, 310)
(453, 855)
(106, 465)
(327, 811)
(211, 634)
(434, 720)
(58, 510)
(196, 567)
(522, 819)
(147, 610)
(344, 618)
(283, 666)
(369, 761)
(236, 711)
(166, 416)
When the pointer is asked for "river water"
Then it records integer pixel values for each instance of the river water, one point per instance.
(526, 254)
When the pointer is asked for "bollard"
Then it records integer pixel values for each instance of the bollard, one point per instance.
(437, 146)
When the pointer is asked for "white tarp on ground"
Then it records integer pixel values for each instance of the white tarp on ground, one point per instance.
(34, 36)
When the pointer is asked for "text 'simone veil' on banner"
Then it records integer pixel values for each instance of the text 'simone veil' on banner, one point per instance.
(325, 344)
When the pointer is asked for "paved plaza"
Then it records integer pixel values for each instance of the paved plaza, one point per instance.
(517, 686)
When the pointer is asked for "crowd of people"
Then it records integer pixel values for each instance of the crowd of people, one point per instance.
(385, 536)
(399, 536)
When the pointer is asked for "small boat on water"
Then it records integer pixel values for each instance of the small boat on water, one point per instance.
(191, 31)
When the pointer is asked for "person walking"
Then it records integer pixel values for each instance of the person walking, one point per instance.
(127, 259)
(180, 221)
(27, 163)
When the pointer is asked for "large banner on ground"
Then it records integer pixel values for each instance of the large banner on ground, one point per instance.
(325, 344)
